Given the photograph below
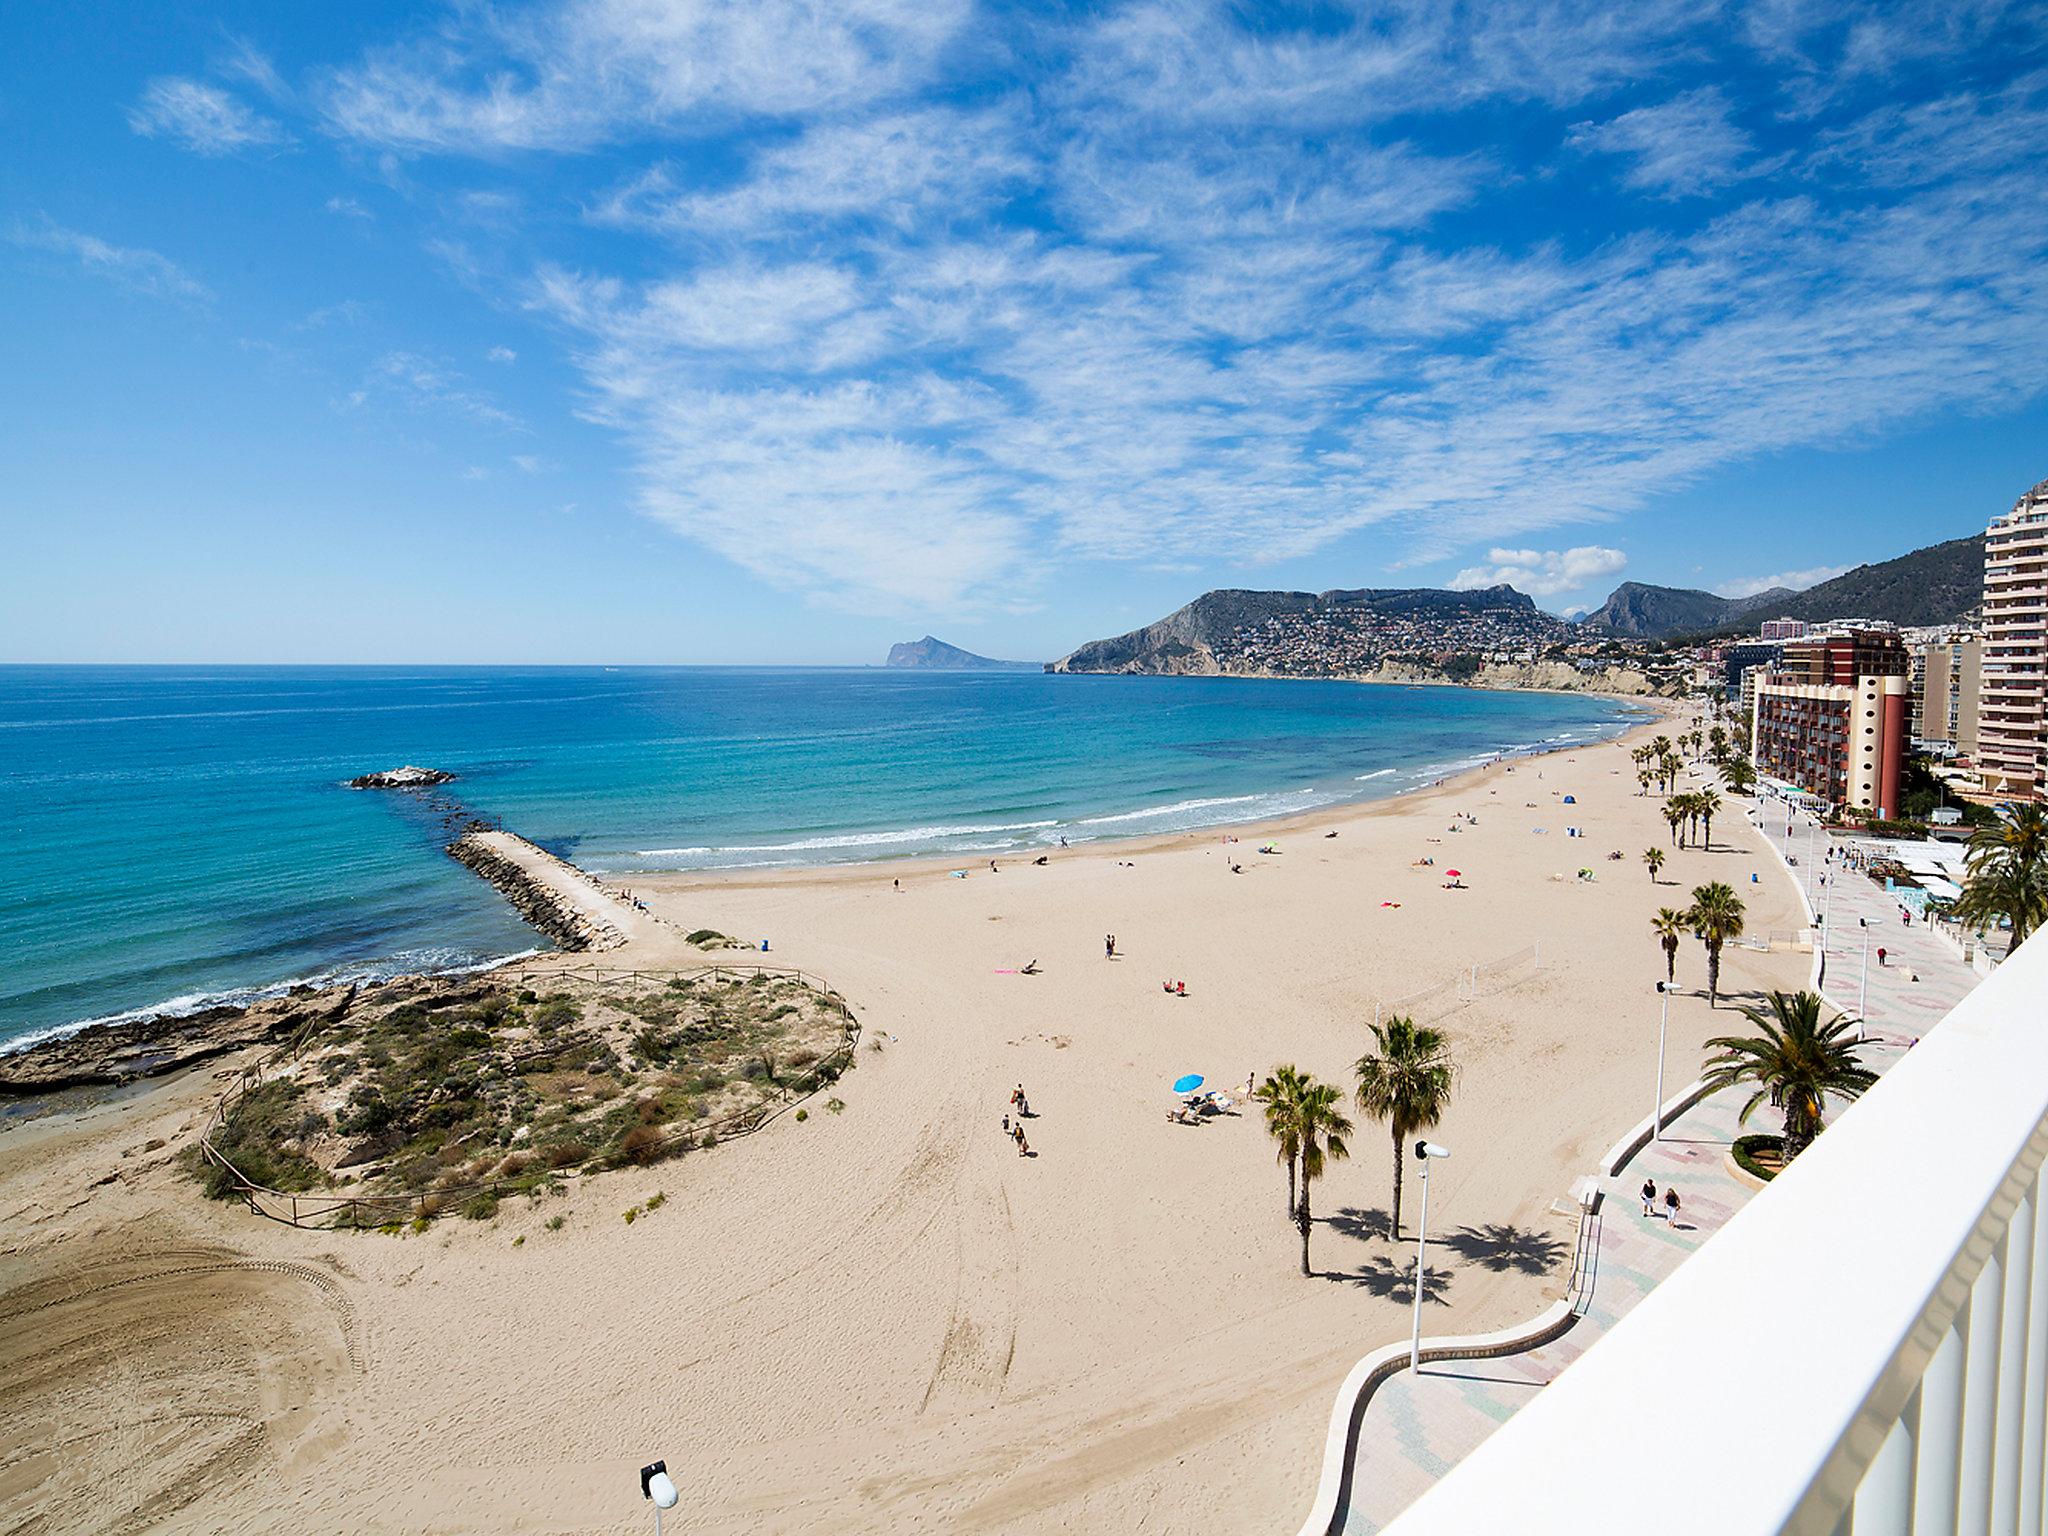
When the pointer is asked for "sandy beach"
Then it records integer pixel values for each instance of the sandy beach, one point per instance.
(883, 1318)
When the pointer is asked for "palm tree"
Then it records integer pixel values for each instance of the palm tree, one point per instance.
(1739, 774)
(1643, 777)
(1706, 802)
(1282, 1093)
(2007, 879)
(1654, 857)
(1717, 739)
(1689, 804)
(1716, 917)
(1660, 746)
(1670, 765)
(1674, 813)
(1795, 1061)
(1669, 925)
(1407, 1083)
(1321, 1127)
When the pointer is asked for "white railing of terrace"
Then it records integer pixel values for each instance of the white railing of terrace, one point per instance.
(1862, 1349)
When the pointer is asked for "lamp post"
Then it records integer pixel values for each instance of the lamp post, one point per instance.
(1657, 1104)
(1424, 1152)
(1863, 986)
(658, 1487)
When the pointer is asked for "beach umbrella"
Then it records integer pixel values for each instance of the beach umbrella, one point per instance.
(1188, 1084)
(1453, 874)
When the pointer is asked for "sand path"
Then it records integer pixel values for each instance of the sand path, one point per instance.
(883, 1319)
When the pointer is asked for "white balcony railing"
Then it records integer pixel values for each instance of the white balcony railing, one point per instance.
(1862, 1349)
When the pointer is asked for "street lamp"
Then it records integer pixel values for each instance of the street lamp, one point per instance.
(1424, 1151)
(1657, 1104)
(1863, 986)
(656, 1485)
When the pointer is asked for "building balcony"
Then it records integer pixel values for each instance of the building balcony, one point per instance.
(1862, 1348)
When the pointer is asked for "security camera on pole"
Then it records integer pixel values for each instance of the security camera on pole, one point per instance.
(656, 1485)
(1424, 1152)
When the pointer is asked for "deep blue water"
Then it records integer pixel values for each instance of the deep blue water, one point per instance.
(182, 833)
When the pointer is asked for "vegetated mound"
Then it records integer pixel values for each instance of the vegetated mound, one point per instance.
(430, 1097)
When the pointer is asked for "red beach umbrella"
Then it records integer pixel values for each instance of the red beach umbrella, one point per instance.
(1453, 874)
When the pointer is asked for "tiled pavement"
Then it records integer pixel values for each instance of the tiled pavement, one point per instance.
(1420, 1424)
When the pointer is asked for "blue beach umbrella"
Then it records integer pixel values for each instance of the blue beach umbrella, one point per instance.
(1187, 1084)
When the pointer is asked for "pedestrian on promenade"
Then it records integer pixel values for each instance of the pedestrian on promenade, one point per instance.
(1880, 957)
(1649, 1193)
(1670, 1201)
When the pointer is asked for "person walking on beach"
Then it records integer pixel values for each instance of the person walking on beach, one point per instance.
(1023, 1146)
(1670, 1202)
(1649, 1194)
(1109, 946)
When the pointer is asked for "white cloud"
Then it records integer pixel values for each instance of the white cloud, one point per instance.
(504, 356)
(1798, 581)
(131, 267)
(419, 383)
(347, 208)
(204, 118)
(1541, 572)
(1181, 286)
(1684, 147)
(577, 74)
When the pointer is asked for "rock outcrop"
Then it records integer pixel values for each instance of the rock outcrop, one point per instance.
(150, 1047)
(407, 777)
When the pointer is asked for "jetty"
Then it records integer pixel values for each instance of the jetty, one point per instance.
(570, 905)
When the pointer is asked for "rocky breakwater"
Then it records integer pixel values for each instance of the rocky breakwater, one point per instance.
(572, 925)
(407, 777)
(122, 1051)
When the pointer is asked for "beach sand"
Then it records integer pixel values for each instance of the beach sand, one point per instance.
(883, 1318)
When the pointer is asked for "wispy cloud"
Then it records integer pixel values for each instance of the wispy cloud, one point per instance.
(131, 267)
(1542, 572)
(1684, 147)
(348, 208)
(420, 383)
(1798, 581)
(904, 313)
(203, 118)
(572, 75)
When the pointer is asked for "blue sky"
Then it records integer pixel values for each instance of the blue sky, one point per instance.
(621, 330)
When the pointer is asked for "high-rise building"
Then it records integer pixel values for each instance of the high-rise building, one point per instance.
(1947, 676)
(1782, 629)
(1830, 716)
(2012, 750)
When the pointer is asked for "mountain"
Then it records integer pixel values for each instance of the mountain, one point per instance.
(1935, 585)
(1310, 633)
(1639, 609)
(934, 655)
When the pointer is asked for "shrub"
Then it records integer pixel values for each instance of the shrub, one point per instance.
(420, 1224)
(706, 938)
(835, 1105)
(554, 1223)
(656, 1200)
(1746, 1149)
(563, 1153)
(802, 1115)
(632, 1214)
(708, 1140)
(481, 1206)
(643, 1144)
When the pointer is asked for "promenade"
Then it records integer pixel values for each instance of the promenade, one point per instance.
(1420, 1424)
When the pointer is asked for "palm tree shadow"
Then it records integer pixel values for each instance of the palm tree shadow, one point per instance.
(1500, 1247)
(1351, 1221)
(1384, 1277)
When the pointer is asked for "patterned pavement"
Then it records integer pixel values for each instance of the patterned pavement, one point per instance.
(1419, 1424)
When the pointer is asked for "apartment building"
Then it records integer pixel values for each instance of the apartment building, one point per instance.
(2012, 751)
(1830, 716)
(1947, 675)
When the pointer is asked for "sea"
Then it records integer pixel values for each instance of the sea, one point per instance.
(176, 837)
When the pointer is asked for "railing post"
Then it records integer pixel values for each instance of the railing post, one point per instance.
(1980, 1395)
(1940, 1432)
(1884, 1502)
(2019, 1285)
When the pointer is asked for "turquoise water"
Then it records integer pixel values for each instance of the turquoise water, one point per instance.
(173, 835)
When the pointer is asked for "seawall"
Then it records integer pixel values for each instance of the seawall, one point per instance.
(507, 861)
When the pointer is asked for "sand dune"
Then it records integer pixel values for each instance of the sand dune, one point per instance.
(883, 1319)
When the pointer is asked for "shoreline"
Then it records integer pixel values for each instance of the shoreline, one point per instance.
(1314, 818)
(1111, 1331)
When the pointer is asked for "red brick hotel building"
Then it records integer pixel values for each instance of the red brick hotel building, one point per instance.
(1831, 717)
